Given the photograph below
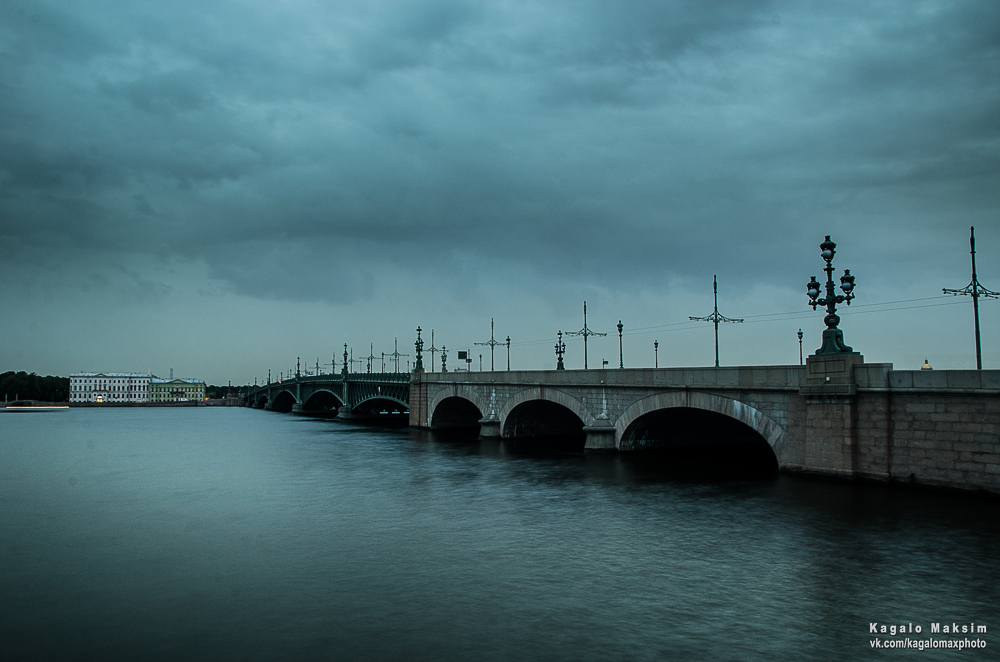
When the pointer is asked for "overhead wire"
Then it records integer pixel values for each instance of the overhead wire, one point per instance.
(876, 307)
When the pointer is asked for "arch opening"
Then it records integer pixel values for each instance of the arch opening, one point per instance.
(381, 411)
(456, 416)
(321, 404)
(283, 402)
(261, 402)
(699, 442)
(542, 426)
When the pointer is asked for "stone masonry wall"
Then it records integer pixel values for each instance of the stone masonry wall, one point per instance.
(940, 428)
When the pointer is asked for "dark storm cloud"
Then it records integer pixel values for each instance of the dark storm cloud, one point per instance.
(615, 143)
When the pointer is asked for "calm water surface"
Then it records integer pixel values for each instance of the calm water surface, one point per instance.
(216, 533)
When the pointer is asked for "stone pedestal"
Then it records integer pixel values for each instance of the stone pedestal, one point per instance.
(489, 428)
(600, 437)
(831, 374)
(829, 428)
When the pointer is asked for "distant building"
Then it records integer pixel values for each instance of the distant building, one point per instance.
(110, 387)
(176, 390)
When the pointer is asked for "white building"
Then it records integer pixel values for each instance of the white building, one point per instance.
(109, 387)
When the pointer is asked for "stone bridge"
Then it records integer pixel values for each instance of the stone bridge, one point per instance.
(341, 395)
(835, 416)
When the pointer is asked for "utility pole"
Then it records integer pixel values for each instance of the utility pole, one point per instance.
(433, 350)
(491, 344)
(394, 357)
(975, 290)
(621, 364)
(715, 318)
(585, 332)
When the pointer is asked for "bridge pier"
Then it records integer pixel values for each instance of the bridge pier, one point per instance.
(297, 408)
(489, 427)
(600, 437)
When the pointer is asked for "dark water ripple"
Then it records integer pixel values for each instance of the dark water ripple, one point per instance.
(239, 534)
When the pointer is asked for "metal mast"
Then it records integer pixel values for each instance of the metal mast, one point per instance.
(394, 357)
(585, 332)
(975, 290)
(492, 344)
(715, 318)
(433, 350)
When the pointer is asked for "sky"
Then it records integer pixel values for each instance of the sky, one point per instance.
(221, 188)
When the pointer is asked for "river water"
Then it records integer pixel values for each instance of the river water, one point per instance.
(224, 533)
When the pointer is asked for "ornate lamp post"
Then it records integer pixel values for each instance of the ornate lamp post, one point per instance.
(833, 338)
(418, 365)
(508, 352)
(800, 346)
(560, 350)
(444, 358)
(656, 354)
(621, 364)
(344, 370)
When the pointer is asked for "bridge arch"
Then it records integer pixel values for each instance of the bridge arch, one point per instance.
(383, 398)
(461, 392)
(749, 416)
(322, 400)
(283, 401)
(547, 394)
(261, 401)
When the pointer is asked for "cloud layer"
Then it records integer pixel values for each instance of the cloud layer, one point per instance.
(321, 152)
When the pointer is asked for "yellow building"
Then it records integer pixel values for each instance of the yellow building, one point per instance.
(176, 390)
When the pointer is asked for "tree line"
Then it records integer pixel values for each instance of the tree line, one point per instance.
(25, 386)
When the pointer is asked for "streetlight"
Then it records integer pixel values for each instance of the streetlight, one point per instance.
(656, 354)
(800, 346)
(560, 350)
(418, 365)
(621, 364)
(444, 358)
(833, 338)
(508, 352)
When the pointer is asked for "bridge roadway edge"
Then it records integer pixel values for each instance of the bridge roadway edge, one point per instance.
(865, 422)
